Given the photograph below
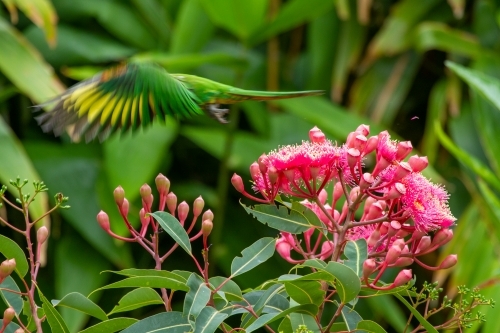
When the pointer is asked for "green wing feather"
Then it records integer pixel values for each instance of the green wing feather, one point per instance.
(121, 98)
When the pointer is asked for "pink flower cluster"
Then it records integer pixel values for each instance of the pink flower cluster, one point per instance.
(399, 205)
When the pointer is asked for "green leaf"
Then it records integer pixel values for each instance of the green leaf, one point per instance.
(481, 170)
(197, 297)
(292, 14)
(40, 12)
(429, 327)
(81, 303)
(305, 292)
(137, 298)
(124, 156)
(310, 216)
(165, 322)
(253, 256)
(11, 250)
(156, 16)
(77, 46)
(261, 303)
(193, 28)
(438, 36)
(133, 272)
(110, 326)
(351, 318)
(146, 281)
(279, 218)
(208, 320)
(265, 319)
(487, 86)
(55, 320)
(240, 17)
(302, 319)
(77, 271)
(230, 291)
(348, 285)
(493, 203)
(174, 228)
(11, 299)
(356, 253)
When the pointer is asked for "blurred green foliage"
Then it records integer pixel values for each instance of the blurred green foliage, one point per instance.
(380, 62)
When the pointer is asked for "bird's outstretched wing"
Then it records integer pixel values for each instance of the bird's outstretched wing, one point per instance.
(124, 97)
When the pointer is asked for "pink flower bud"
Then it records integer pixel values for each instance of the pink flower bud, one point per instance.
(374, 212)
(316, 135)
(403, 262)
(418, 163)
(353, 195)
(125, 207)
(423, 245)
(254, 171)
(323, 218)
(326, 250)
(283, 248)
(288, 237)
(162, 184)
(404, 148)
(8, 315)
(366, 181)
(449, 261)
(208, 215)
(402, 278)
(400, 243)
(322, 196)
(381, 165)
(359, 142)
(314, 171)
(119, 195)
(394, 227)
(368, 202)
(145, 191)
(103, 220)
(206, 227)
(237, 182)
(374, 238)
(42, 234)
(371, 144)
(171, 202)
(198, 205)
(393, 254)
(143, 218)
(353, 157)
(272, 173)
(6, 268)
(338, 192)
(363, 129)
(369, 266)
(442, 237)
(182, 211)
(395, 191)
(402, 171)
(262, 162)
(289, 174)
(19, 330)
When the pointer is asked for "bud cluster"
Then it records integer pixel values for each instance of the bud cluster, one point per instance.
(398, 207)
(166, 200)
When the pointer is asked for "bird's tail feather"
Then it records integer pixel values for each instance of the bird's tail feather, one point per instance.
(272, 95)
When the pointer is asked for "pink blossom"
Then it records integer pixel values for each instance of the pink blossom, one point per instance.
(427, 203)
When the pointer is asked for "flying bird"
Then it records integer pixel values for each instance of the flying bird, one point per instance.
(131, 95)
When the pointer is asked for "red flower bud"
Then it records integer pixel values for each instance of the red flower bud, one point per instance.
(283, 248)
(423, 245)
(442, 237)
(124, 208)
(396, 191)
(42, 234)
(404, 148)
(393, 254)
(262, 162)
(449, 261)
(326, 250)
(254, 171)
(162, 184)
(171, 202)
(206, 227)
(402, 262)
(272, 173)
(208, 215)
(371, 144)
(363, 129)
(145, 191)
(418, 163)
(119, 195)
(402, 171)
(369, 266)
(322, 196)
(402, 278)
(237, 182)
(143, 218)
(316, 135)
(366, 181)
(374, 237)
(103, 220)
(8, 315)
(182, 211)
(198, 205)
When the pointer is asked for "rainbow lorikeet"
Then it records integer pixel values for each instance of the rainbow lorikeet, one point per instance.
(133, 94)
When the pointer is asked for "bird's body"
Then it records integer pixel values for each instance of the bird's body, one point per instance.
(132, 95)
